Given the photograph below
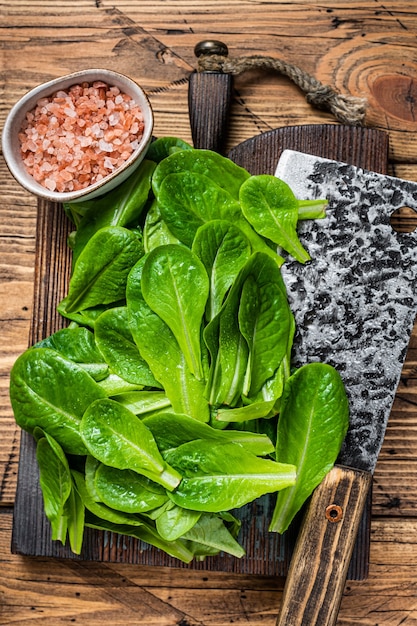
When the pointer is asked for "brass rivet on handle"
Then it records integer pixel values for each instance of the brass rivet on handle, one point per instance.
(334, 513)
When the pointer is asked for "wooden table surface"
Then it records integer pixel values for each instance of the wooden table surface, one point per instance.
(366, 48)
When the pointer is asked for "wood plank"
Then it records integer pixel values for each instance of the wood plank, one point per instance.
(17, 259)
(116, 592)
(393, 491)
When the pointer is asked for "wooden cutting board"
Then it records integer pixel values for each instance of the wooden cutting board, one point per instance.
(267, 553)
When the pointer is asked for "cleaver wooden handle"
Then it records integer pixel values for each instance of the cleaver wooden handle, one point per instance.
(319, 565)
(209, 99)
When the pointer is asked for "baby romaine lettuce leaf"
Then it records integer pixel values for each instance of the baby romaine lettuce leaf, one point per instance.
(101, 270)
(78, 345)
(253, 411)
(172, 521)
(116, 437)
(159, 347)
(265, 404)
(143, 402)
(155, 231)
(87, 317)
(116, 344)
(223, 476)
(265, 320)
(248, 338)
(62, 504)
(113, 385)
(126, 490)
(311, 427)
(187, 200)
(74, 343)
(212, 165)
(228, 352)
(56, 485)
(75, 511)
(170, 275)
(90, 467)
(271, 207)
(51, 392)
(223, 249)
(312, 209)
(172, 430)
(210, 532)
(102, 510)
(162, 147)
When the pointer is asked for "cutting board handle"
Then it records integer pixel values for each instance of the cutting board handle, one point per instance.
(319, 565)
(209, 100)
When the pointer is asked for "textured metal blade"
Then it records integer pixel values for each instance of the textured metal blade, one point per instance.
(356, 301)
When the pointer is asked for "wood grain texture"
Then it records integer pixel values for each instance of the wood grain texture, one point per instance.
(366, 47)
(209, 99)
(44, 591)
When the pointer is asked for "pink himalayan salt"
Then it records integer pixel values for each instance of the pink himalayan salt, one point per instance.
(77, 137)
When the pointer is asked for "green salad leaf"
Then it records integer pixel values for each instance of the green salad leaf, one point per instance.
(223, 476)
(101, 270)
(220, 170)
(187, 200)
(223, 249)
(144, 402)
(115, 342)
(42, 395)
(56, 484)
(116, 437)
(155, 230)
(102, 510)
(160, 349)
(126, 490)
(265, 320)
(312, 425)
(174, 521)
(78, 344)
(173, 429)
(170, 273)
(211, 535)
(163, 147)
(271, 207)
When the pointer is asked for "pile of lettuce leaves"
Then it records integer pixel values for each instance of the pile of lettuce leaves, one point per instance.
(169, 400)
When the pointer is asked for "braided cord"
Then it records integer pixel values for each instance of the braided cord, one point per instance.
(347, 109)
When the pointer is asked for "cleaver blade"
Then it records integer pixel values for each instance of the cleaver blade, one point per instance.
(355, 305)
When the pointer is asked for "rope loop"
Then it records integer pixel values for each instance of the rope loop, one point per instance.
(347, 109)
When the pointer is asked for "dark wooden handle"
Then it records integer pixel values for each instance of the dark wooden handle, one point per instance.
(209, 99)
(320, 561)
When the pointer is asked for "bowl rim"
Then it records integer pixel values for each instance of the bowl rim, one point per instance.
(28, 100)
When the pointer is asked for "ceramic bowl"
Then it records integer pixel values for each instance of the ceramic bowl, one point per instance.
(11, 144)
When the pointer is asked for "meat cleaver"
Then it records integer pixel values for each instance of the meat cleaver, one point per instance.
(355, 304)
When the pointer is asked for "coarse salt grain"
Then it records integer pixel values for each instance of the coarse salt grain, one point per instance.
(105, 146)
(77, 137)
